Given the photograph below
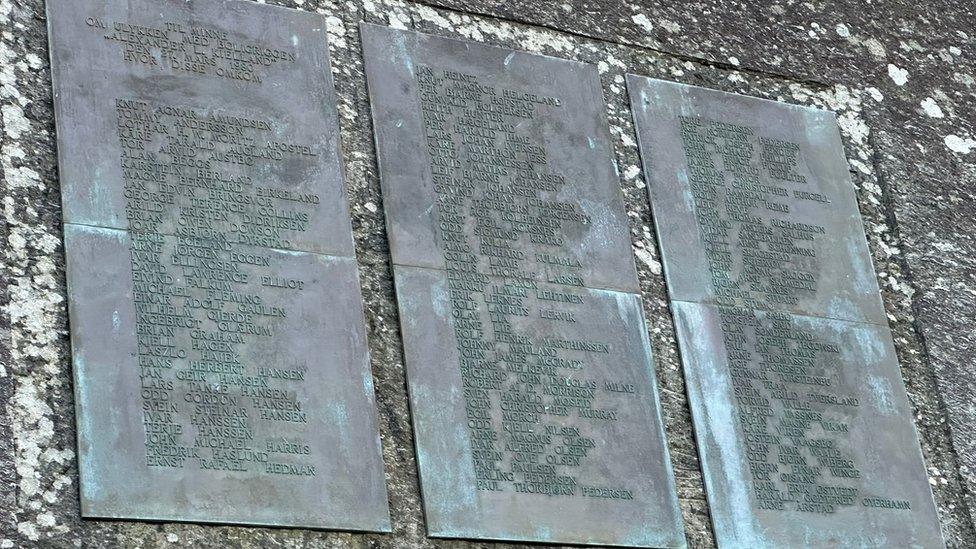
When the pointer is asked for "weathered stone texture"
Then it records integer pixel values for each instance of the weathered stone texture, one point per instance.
(901, 76)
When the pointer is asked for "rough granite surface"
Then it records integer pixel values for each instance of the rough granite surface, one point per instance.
(900, 75)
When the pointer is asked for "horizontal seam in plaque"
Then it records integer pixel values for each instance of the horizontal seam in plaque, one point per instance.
(282, 250)
(773, 310)
(586, 287)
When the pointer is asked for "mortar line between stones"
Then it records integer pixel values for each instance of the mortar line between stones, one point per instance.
(679, 56)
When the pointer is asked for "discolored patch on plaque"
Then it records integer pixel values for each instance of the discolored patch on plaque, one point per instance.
(220, 360)
(803, 424)
(534, 404)
(804, 431)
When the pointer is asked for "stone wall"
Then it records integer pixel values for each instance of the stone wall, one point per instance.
(901, 76)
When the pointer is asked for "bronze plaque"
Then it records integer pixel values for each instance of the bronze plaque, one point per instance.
(804, 428)
(532, 390)
(219, 347)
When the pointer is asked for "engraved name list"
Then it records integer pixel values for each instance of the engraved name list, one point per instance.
(216, 318)
(528, 361)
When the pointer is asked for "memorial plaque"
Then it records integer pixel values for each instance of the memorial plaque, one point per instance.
(804, 427)
(219, 348)
(534, 404)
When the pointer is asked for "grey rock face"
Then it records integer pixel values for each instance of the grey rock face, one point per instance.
(913, 191)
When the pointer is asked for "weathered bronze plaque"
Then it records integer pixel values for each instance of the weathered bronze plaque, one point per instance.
(804, 427)
(221, 369)
(534, 404)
